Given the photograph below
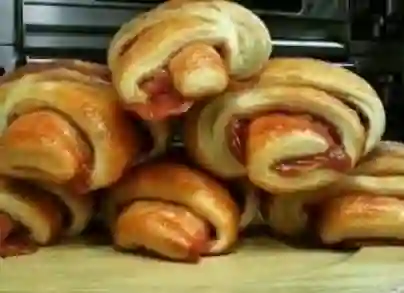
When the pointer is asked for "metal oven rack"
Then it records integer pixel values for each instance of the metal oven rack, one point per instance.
(366, 36)
(83, 28)
(377, 44)
(77, 27)
(9, 37)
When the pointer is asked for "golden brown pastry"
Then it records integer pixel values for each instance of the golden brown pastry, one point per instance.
(30, 216)
(171, 209)
(61, 123)
(184, 51)
(368, 205)
(296, 127)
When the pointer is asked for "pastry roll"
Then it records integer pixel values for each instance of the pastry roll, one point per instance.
(298, 126)
(172, 210)
(30, 216)
(369, 203)
(184, 51)
(61, 123)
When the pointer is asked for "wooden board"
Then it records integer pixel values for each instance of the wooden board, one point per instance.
(258, 266)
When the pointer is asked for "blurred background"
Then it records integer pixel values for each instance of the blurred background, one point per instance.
(366, 36)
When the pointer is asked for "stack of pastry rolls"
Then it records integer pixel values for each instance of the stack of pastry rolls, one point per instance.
(169, 60)
(295, 129)
(71, 128)
(299, 139)
(63, 135)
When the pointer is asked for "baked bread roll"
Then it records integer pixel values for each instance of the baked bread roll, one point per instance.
(369, 203)
(170, 209)
(30, 216)
(61, 123)
(296, 127)
(184, 51)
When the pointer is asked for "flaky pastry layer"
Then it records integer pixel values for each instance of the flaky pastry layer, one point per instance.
(294, 89)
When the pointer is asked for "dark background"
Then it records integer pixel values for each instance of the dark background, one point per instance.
(366, 36)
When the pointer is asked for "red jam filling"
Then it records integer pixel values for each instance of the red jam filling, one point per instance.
(164, 100)
(335, 157)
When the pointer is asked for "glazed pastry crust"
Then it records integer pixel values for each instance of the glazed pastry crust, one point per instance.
(287, 85)
(381, 172)
(171, 230)
(148, 42)
(368, 203)
(179, 185)
(79, 113)
(362, 216)
(339, 82)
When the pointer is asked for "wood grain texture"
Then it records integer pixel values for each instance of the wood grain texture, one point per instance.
(259, 266)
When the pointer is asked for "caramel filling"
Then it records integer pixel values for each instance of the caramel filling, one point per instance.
(240, 130)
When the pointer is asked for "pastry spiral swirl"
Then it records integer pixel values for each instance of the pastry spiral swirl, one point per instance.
(183, 51)
(291, 129)
(368, 204)
(61, 123)
(31, 216)
(169, 208)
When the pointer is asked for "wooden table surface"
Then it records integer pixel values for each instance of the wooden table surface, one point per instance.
(261, 265)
